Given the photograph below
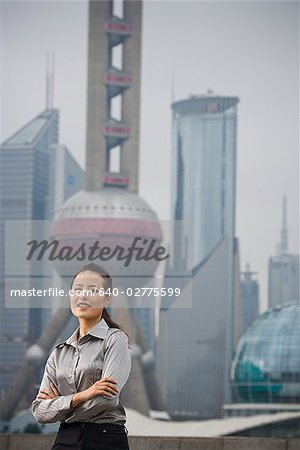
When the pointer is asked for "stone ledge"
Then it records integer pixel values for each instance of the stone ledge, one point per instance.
(4, 441)
(242, 443)
(293, 444)
(27, 441)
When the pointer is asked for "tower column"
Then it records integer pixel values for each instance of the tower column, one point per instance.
(131, 97)
(99, 15)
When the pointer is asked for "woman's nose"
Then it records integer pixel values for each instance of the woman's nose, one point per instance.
(83, 295)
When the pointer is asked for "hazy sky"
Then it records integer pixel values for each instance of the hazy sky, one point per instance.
(245, 49)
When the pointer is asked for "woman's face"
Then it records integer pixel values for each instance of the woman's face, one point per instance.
(86, 301)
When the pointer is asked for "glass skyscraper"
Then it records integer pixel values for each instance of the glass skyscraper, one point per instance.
(25, 194)
(35, 176)
(203, 183)
(196, 344)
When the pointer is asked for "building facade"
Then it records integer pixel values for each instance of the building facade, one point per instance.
(68, 176)
(283, 279)
(196, 344)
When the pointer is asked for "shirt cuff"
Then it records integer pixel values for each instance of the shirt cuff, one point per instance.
(66, 403)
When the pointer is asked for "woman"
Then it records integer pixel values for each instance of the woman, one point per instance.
(85, 374)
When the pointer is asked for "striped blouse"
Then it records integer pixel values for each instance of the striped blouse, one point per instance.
(74, 366)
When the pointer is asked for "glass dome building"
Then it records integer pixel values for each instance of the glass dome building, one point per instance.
(266, 366)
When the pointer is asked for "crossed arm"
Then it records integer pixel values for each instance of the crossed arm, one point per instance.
(49, 406)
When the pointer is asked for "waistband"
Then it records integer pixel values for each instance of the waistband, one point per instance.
(94, 426)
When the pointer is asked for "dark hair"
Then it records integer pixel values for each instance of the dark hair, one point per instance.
(107, 285)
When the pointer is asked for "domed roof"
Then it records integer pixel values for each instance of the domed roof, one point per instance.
(106, 203)
(110, 218)
(266, 366)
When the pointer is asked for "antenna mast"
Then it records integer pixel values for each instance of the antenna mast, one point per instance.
(49, 80)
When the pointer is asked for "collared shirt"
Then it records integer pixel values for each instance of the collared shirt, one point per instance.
(74, 366)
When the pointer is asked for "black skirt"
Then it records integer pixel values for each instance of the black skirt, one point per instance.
(91, 436)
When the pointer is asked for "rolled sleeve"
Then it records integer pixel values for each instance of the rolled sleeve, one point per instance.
(52, 410)
(117, 365)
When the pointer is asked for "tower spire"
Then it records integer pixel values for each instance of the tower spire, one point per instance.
(284, 229)
(173, 87)
(49, 80)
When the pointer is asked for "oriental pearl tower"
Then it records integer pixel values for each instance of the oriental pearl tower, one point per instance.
(109, 210)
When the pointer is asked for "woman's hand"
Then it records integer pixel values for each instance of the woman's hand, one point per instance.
(49, 394)
(106, 386)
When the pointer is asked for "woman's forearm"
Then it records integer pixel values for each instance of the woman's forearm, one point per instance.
(92, 408)
(52, 410)
(79, 398)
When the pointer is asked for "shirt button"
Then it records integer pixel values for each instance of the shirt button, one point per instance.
(82, 425)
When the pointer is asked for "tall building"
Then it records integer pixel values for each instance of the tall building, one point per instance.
(196, 344)
(203, 182)
(25, 194)
(35, 174)
(283, 269)
(249, 299)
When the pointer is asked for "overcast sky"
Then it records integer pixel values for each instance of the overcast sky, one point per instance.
(244, 49)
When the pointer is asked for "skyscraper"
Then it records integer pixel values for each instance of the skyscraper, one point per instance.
(203, 182)
(249, 299)
(196, 350)
(25, 188)
(35, 174)
(283, 269)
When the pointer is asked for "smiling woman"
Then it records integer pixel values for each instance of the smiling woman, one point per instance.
(85, 374)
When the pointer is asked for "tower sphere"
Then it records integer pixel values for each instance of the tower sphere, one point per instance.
(113, 217)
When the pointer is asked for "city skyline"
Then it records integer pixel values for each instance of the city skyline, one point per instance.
(260, 68)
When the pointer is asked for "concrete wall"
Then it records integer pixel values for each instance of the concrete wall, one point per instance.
(44, 442)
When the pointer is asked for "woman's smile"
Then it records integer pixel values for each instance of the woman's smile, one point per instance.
(83, 305)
